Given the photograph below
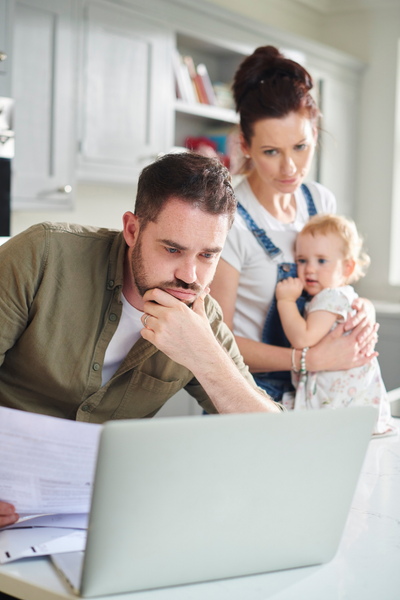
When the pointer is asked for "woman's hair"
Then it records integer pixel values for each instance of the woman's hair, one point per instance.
(268, 85)
(347, 231)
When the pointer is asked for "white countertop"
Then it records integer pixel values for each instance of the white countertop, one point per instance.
(386, 308)
(366, 567)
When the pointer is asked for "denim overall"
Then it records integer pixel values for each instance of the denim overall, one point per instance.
(279, 382)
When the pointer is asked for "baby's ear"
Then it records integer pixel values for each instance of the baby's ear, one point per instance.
(348, 268)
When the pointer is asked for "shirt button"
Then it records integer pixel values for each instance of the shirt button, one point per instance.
(96, 367)
(113, 317)
(111, 283)
(85, 408)
(286, 268)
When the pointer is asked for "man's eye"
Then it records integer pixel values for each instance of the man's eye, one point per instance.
(207, 255)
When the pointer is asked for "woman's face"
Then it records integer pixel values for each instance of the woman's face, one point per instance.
(282, 151)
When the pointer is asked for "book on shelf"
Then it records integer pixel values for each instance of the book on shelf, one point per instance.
(184, 84)
(197, 80)
(205, 78)
(193, 84)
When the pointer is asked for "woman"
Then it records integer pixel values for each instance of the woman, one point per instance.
(278, 119)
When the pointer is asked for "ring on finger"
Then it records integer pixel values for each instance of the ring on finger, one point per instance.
(145, 319)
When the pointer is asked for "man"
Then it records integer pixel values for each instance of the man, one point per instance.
(99, 324)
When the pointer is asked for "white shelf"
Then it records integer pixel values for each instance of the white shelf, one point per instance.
(206, 111)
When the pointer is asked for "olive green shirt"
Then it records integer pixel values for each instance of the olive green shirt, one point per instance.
(60, 304)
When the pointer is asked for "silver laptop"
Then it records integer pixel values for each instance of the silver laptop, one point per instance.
(192, 499)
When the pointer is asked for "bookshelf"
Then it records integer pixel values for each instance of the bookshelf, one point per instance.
(194, 119)
(206, 111)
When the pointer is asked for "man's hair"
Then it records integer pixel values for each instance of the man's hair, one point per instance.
(200, 181)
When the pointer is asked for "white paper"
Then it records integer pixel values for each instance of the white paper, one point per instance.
(39, 541)
(47, 465)
(77, 521)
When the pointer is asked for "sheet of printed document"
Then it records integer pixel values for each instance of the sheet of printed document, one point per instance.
(39, 541)
(47, 464)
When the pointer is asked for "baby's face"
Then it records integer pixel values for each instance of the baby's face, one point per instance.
(320, 262)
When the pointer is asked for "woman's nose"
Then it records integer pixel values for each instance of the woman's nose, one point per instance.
(288, 166)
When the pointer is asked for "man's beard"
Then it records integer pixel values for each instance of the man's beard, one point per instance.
(143, 283)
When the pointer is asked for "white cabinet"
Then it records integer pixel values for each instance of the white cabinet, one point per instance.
(5, 46)
(43, 90)
(126, 93)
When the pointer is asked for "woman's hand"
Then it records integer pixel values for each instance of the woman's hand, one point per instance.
(338, 352)
(8, 515)
(289, 289)
(369, 333)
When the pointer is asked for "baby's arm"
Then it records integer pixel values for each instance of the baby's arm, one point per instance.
(300, 332)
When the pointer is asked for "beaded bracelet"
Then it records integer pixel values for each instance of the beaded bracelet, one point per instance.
(294, 368)
(303, 369)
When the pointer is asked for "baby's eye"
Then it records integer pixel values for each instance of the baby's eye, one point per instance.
(322, 261)
(301, 261)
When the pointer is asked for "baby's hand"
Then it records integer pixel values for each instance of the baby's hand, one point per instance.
(289, 289)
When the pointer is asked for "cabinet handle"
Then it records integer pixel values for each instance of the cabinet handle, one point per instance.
(66, 189)
(3, 56)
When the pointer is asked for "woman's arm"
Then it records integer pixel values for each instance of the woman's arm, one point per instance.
(224, 289)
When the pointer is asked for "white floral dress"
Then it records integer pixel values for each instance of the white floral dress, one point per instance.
(360, 386)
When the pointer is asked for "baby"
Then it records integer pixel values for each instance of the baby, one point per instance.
(329, 257)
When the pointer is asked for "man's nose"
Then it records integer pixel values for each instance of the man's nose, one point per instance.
(186, 272)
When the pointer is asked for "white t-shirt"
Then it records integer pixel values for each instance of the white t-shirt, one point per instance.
(126, 335)
(258, 273)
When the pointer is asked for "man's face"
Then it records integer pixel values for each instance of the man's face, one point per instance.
(179, 252)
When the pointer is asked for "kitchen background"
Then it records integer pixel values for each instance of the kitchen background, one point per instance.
(101, 88)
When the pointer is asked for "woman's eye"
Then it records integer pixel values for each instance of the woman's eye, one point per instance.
(301, 146)
(271, 152)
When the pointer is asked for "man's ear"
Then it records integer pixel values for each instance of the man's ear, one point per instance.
(131, 228)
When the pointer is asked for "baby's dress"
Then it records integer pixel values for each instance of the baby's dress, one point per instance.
(360, 386)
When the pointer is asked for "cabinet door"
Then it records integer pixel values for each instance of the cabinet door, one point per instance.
(5, 46)
(126, 94)
(42, 76)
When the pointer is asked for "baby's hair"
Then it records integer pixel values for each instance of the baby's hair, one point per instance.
(347, 231)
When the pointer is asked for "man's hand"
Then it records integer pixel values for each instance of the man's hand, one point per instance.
(289, 289)
(186, 337)
(182, 333)
(8, 516)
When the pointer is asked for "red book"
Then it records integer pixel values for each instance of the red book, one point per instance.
(202, 94)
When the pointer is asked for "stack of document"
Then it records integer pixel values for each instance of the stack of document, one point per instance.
(47, 468)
